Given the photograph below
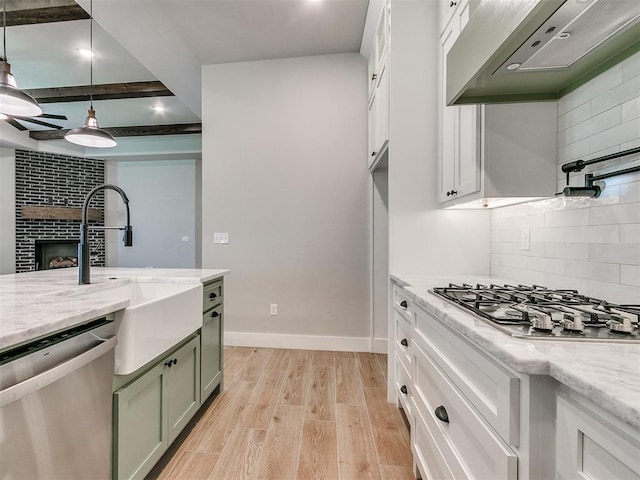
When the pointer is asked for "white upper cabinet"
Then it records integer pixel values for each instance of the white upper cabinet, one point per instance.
(459, 151)
(379, 90)
(485, 153)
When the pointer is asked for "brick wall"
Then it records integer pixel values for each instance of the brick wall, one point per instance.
(592, 245)
(44, 179)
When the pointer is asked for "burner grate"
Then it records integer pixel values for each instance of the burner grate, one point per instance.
(540, 312)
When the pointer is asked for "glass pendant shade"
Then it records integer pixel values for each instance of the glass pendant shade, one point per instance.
(90, 134)
(13, 101)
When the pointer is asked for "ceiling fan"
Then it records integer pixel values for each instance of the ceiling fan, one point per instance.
(17, 121)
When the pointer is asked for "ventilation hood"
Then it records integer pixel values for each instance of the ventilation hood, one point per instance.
(530, 50)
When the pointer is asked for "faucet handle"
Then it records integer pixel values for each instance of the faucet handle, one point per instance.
(128, 236)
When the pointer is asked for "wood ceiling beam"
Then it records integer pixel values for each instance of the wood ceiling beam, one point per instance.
(31, 13)
(108, 91)
(132, 131)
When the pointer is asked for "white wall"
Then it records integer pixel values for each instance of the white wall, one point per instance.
(162, 195)
(424, 239)
(284, 173)
(7, 211)
(592, 245)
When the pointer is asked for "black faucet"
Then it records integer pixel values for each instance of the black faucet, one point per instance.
(84, 250)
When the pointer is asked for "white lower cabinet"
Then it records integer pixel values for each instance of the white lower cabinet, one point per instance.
(589, 446)
(472, 417)
(467, 444)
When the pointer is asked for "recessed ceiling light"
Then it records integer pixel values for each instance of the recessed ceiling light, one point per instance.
(159, 108)
(85, 52)
(514, 66)
(563, 35)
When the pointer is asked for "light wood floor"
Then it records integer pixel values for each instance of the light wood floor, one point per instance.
(294, 414)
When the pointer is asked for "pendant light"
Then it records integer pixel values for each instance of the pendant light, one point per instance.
(13, 101)
(90, 135)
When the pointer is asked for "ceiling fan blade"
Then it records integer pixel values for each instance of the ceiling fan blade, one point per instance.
(20, 127)
(53, 117)
(40, 122)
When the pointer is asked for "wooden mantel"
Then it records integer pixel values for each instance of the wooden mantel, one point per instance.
(58, 213)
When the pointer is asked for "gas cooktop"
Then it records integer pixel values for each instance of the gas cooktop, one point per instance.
(543, 313)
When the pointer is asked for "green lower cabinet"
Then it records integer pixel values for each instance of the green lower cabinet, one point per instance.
(211, 352)
(183, 387)
(150, 411)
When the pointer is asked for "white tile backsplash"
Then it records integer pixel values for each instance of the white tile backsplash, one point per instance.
(592, 245)
(630, 275)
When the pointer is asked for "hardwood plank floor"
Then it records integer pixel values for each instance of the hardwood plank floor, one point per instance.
(294, 414)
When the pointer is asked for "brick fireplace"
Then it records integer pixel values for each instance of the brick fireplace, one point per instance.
(50, 191)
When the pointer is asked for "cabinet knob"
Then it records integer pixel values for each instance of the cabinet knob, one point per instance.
(171, 362)
(404, 342)
(454, 192)
(212, 296)
(441, 414)
(453, 4)
(373, 154)
(215, 314)
(403, 304)
(374, 76)
(403, 389)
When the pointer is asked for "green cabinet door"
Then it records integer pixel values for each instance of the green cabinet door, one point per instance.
(150, 412)
(183, 387)
(211, 352)
(140, 436)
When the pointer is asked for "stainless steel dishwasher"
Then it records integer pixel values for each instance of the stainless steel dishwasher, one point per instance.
(56, 405)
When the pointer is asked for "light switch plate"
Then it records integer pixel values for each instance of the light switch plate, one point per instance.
(185, 238)
(526, 239)
(220, 238)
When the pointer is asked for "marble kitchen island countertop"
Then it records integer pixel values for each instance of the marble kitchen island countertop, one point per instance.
(35, 304)
(606, 373)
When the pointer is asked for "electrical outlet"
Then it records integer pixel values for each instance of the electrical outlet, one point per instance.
(274, 309)
(526, 239)
(220, 238)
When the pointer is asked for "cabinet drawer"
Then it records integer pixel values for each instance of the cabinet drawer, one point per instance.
(402, 304)
(493, 391)
(211, 295)
(402, 339)
(587, 446)
(466, 441)
(403, 385)
(425, 445)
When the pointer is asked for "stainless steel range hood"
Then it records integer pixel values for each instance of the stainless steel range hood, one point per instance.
(529, 50)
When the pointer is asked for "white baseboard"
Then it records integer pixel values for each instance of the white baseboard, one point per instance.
(380, 345)
(303, 342)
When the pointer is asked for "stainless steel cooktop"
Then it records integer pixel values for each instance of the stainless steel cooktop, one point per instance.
(543, 313)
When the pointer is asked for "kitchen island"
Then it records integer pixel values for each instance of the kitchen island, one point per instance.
(532, 408)
(35, 304)
(168, 357)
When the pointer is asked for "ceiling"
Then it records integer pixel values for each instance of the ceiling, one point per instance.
(166, 41)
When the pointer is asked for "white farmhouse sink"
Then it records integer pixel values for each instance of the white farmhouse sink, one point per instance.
(159, 316)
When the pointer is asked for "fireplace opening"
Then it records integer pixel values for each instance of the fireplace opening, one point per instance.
(51, 254)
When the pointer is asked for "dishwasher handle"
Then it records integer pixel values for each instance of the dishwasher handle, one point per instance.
(30, 385)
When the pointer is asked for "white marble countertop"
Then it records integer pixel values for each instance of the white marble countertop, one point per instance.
(34, 304)
(606, 373)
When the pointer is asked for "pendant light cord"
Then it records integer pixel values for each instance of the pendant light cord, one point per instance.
(4, 31)
(91, 49)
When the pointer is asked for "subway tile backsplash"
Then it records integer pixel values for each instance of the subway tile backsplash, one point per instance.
(592, 245)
